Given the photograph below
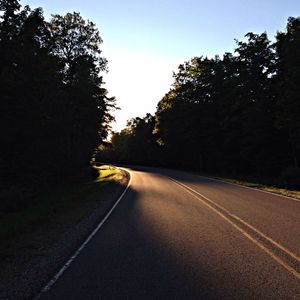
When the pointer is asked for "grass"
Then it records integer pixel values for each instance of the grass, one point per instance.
(56, 202)
(108, 173)
(272, 189)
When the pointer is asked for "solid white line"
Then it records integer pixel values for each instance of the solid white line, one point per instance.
(71, 259)
(250, 188)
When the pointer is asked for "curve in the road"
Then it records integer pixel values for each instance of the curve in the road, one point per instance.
(191, 239)
(83, 245)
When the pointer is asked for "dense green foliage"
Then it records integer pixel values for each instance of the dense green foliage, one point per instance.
(135, 144)
(54, 110)
(239, 114)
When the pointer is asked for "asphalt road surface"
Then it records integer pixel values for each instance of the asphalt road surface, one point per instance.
(176, 235)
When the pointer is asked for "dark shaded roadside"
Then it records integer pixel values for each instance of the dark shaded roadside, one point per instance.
(29, 261)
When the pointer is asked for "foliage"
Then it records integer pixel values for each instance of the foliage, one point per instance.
(135, 144)
(54, 109)
(291, 177)
(58, 201)
(288, 86)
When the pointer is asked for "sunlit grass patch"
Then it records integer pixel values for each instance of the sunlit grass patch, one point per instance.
(105, 167)
(108, 173)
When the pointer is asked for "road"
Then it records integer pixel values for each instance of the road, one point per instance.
(176, 235)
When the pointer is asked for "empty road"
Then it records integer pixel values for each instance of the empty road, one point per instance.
(176, 235)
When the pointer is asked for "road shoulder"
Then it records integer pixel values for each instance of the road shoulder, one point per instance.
(30, 260)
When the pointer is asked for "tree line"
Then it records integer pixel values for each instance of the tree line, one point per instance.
(54, 108)
(236, 115)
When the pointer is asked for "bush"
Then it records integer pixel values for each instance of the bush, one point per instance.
(291, 177)
(94, 172)
(14, 199)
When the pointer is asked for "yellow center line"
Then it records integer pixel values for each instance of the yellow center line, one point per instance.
(287, 251)
(252, 239)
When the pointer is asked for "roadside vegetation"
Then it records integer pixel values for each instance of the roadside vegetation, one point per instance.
(263, 186)
(59, 202)
(38, 239)
(54, 107)
(107, 173)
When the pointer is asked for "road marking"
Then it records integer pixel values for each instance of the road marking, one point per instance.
(287, 251)
(252, 239)
(250, 188)
(77, 252)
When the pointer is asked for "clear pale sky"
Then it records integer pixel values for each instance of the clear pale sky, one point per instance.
(145, 41)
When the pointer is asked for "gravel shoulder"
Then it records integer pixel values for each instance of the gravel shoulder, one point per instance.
(30, 260)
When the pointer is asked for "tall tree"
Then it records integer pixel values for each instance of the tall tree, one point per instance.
(73, 37)
(77, 43)
(288, 86)
(252, 100)
(134, 144)
(54, 109)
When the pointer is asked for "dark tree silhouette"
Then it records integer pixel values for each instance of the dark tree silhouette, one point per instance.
(134, 144)
(54, 109)
(288, 86)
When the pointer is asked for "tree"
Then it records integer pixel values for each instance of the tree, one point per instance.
(73, 37)
(77, 43)
(251, 99)
(54, 109)
(28, 74)
(134, 144)
(288, 87)
(187, 115)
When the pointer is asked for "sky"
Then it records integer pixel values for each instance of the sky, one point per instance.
(145, 41)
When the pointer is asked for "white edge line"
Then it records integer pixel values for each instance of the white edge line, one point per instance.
(77, 252)
(250, 188)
